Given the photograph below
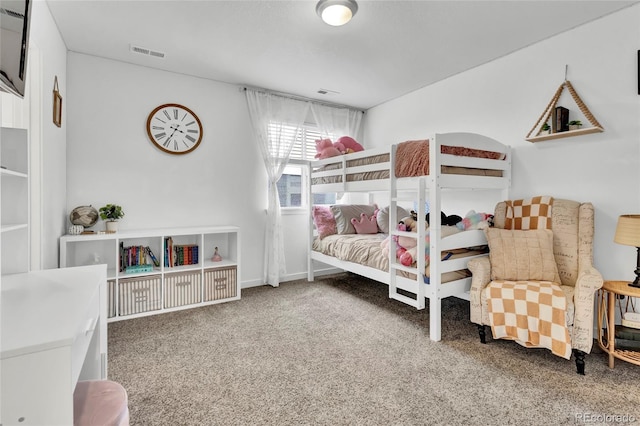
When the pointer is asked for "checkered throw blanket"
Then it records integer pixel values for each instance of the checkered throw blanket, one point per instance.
(533, 313)
(531, 213)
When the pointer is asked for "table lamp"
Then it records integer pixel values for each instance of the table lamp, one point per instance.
(628, 233)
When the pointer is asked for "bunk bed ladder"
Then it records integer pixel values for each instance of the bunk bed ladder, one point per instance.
(394, 266)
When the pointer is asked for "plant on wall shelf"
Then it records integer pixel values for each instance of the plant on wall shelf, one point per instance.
(111, 212)
(575, 124)
(544, 130)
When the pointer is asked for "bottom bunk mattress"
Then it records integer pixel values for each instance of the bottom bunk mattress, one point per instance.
(366, 250)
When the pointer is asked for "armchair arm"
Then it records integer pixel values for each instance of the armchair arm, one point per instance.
(589, 281)
(480, 267)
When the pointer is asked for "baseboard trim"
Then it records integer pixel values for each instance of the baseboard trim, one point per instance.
(292, 277)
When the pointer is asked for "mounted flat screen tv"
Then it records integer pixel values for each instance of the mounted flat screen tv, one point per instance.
(14, 44)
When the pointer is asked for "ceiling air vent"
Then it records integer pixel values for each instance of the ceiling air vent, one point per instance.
(145, 51)
(11, 13)
(327, 92)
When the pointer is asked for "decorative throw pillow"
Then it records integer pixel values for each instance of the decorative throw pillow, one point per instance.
(383, 217)
(324, 221)
(531, 213)
(366, 224)
(519, 255)
(343, 213)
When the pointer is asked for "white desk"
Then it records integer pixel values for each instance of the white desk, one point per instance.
(53, 333)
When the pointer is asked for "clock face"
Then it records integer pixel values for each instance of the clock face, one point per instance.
(174, 129)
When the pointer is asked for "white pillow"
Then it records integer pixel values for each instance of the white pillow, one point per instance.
(383, 218)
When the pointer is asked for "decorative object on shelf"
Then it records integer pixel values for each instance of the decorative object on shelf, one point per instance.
(560, 119)
(86, 216)
(336, 12)
(76, 229)
(216, 256)
(628, 233)
(536, 134)
(174, 129)
(545, 129)
(111, 213)
(57, 104)
(575, 124)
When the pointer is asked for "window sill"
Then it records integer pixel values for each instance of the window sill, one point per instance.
(292, 211)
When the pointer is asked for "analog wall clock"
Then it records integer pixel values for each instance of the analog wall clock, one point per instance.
(174, 129)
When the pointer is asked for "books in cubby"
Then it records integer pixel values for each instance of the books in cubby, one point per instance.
(136, 256)
(180, 254)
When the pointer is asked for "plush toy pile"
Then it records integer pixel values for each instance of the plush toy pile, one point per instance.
(406, 247)
(344, 145)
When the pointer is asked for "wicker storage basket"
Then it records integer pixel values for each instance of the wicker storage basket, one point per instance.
(111, 299)
(140, 294)
(220, 283)
(182, 288)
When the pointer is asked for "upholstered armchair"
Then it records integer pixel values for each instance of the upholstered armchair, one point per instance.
(537, 284)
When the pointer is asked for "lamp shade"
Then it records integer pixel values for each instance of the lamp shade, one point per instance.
(336, 12)
(628, 230)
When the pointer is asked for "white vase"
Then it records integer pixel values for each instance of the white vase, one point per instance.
(574, 126)
(112, 226)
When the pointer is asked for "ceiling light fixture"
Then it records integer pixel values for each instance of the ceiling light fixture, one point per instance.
(336, 12)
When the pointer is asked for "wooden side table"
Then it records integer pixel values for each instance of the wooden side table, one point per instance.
(607, 297)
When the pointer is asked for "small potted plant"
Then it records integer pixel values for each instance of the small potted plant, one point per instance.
(545, 129)
(575, 125)
(111, 213)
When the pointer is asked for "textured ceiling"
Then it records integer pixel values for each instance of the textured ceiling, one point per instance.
(389, 49)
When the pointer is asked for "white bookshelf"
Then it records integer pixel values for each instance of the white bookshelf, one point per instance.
(164, 288)
(14, 202)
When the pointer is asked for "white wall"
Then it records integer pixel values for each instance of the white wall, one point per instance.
(110, 159)
(503, 99)
(44, 34)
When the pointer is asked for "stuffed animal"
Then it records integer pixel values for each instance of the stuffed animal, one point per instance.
(325, 149)
(444, 219)
(349, 144)
(475, 220)
(404, 247)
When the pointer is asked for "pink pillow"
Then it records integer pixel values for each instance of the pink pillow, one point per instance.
(366, 225)
(324, 221)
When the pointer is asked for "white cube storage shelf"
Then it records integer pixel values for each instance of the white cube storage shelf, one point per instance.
(164, 289)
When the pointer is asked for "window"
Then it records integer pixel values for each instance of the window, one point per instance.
(291, 186)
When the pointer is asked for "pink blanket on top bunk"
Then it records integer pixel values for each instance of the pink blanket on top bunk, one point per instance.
(412, 157)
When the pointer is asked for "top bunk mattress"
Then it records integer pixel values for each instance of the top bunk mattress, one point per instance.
(412, 159)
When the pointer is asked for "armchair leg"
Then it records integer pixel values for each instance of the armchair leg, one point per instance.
(482, 332)
(579, 361)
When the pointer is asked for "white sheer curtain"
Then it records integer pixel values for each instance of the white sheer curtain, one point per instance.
(273, 118)
(340, 121)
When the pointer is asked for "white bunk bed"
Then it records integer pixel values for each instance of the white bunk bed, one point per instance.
(347, 173)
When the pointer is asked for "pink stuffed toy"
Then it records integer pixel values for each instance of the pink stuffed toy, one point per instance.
(349, 144)
(407, 246)
(325, 149)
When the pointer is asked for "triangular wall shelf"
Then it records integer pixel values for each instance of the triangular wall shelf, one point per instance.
(596, 127)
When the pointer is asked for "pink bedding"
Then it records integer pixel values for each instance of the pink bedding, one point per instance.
(412, 157)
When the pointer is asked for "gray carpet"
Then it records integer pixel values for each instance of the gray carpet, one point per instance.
(338, 351)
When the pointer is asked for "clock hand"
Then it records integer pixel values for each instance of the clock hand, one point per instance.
(176, 128)
(170, 136)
